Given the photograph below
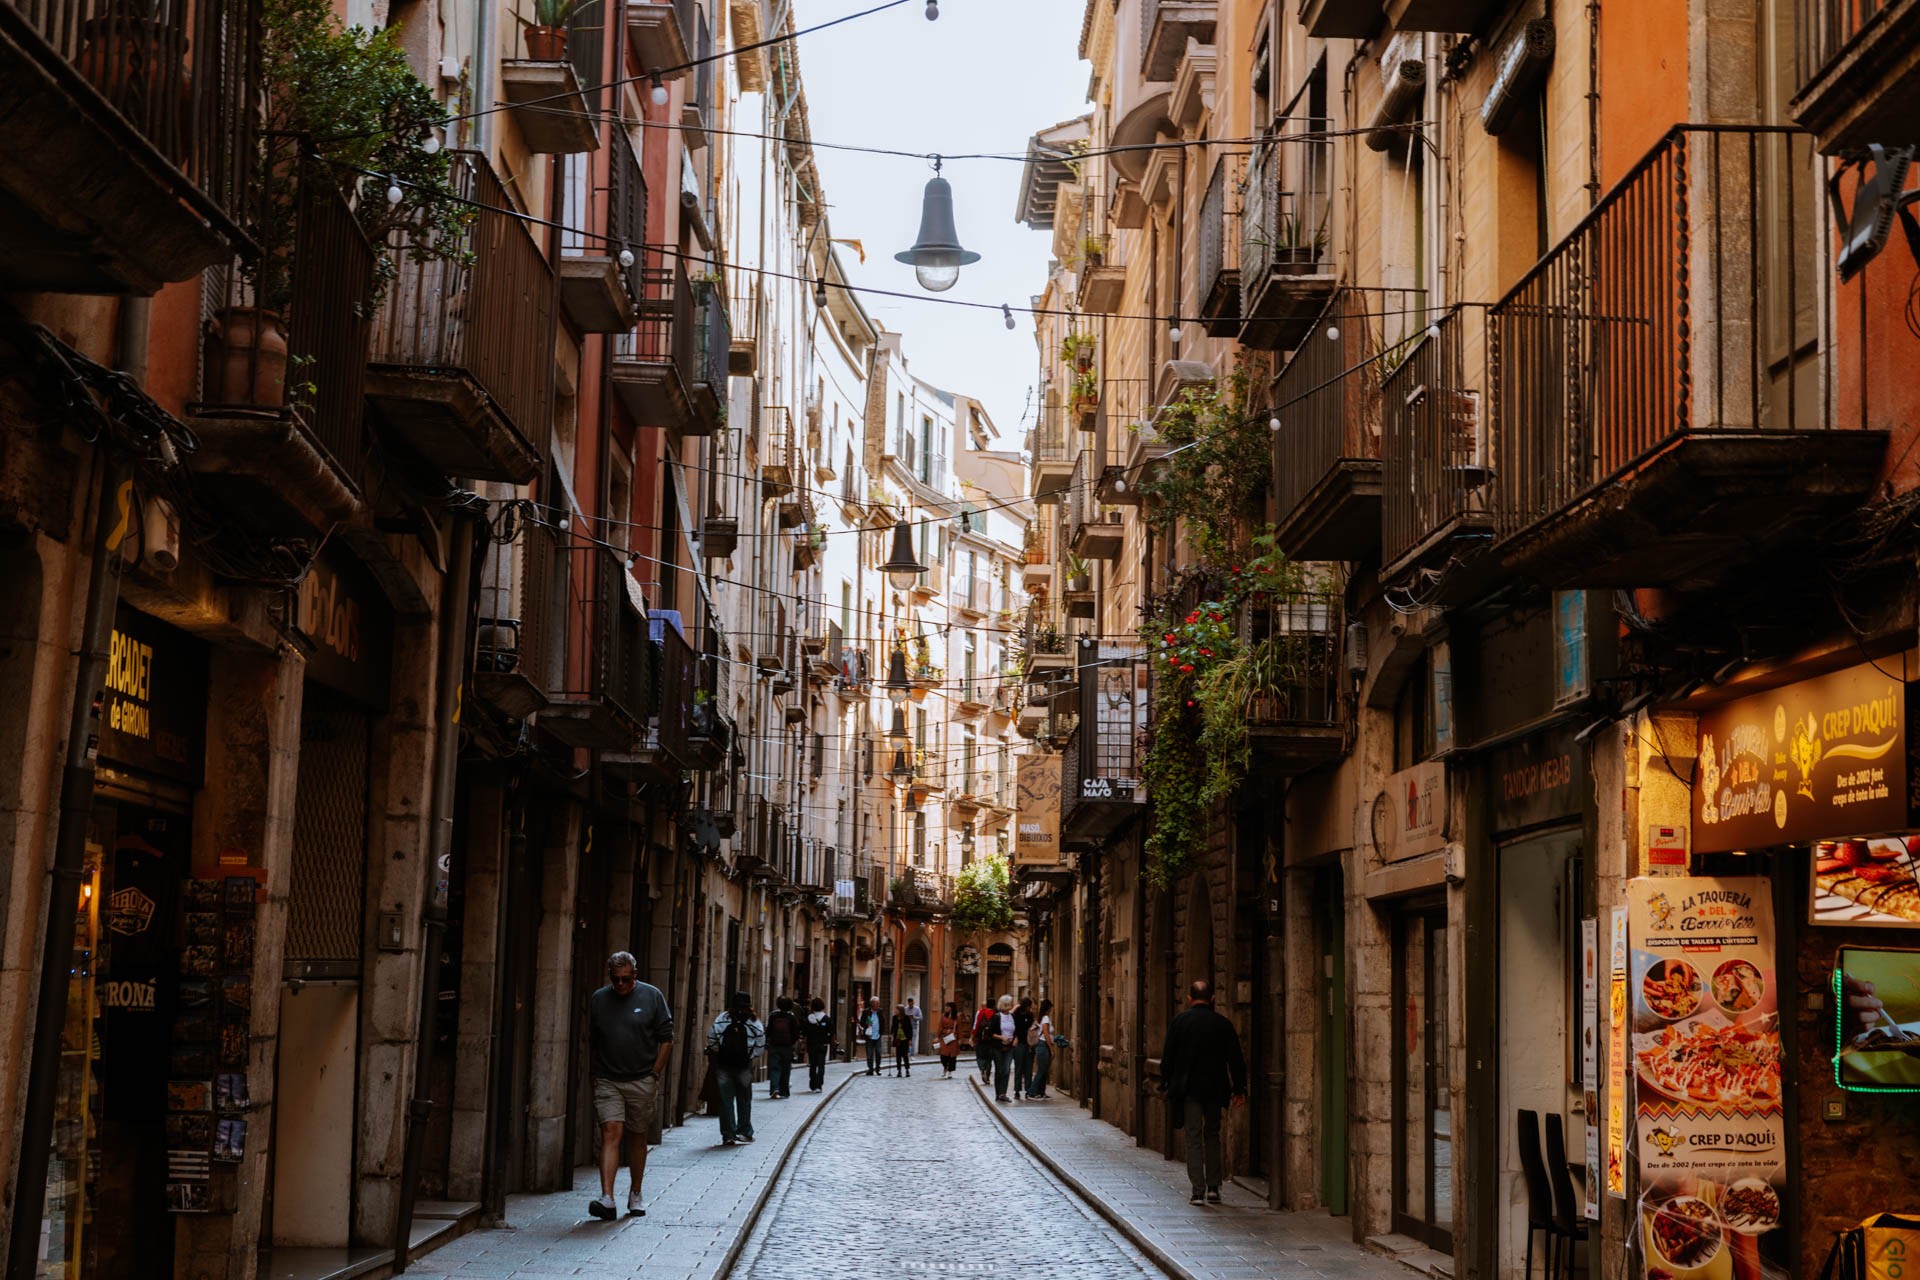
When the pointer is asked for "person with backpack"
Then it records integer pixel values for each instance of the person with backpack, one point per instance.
(733, 1043)
(982, 1042)
(1022, 1046)
(901, 1032)
(819, 1033)
(783, 1032)
(870, 1032)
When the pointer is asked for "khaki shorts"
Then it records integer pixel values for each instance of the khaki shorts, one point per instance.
(629, 1102)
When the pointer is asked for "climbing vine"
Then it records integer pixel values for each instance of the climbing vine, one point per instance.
(1212, 481)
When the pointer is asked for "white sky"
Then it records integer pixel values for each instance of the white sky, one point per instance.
(985, 77)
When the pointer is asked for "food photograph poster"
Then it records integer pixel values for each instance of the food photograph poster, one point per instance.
(1705, 1045)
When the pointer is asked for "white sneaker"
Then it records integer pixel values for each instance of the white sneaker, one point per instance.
(636, 1208)
(602, 1208)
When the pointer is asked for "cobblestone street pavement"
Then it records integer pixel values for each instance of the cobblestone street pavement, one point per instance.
(904, 1177)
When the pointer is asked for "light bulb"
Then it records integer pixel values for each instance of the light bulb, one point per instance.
(626, 257)
(1333, 333)
(1120, 486)
(394, 194)
(564, 524)
(933, 10)
(936, 279)
(659, 92)
(1433, 331)
(1274, 423)
(1007, 311)
(431, 143)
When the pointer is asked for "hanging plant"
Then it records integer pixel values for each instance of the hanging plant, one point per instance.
(983, 895)
(1214, 477)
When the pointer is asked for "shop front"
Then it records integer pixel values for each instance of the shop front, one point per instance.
(1774, 984)
(153, 1022)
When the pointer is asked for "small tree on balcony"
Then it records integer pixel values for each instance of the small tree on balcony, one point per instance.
(983, 896)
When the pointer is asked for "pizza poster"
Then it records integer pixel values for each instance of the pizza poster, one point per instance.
(1706, 1065)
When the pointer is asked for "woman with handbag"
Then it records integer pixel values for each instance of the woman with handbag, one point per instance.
(901, 1033)
(949, 1039)
(1041, 1034)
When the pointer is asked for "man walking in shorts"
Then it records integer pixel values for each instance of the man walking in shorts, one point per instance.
(632, 1036)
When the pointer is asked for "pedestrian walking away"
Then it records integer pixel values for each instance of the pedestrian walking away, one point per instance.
(1202, 1072)
(1041, 1035)
(783, 1033)
(901, 1032)
(734, 1043)
(983, 1041)
(949, 1039)
(1000, 1037)
(915, 1012)
(819, 1033)
(872, 1032)
(630, 1031)
(1022, 1046)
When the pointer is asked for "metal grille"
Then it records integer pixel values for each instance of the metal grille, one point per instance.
(326, 902)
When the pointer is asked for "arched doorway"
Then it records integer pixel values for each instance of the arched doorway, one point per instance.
(913, 986)
(999, 971)
(1199, 951)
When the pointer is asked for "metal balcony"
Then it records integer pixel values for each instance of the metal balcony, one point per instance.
(1858, 64)
(521, 638)
(779, 455)
(1436, 496)
(128, 156)
(605, 685)
(664, 371)
(1326, 455)
(596, 291)
(283, 439)
(1666, 401)
(1052, 456)
(1298, 720)
(1096, 530)
(1220, 247)
(462, 362)
(1286, 266)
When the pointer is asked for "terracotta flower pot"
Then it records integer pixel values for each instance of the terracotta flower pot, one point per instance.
(547, 44)
(246, 358)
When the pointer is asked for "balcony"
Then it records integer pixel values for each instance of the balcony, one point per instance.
(1095, 529)
(1101, 789)
(1436, 497)
(1326, 455)
(462, 363)
(1297, 717)
(719, 537)
(1127, 411)
(606, 686)
(1286, 269)
(1220, 247)
(595, 290)
(709, 732)
(660, 36)
(975, 694)
(1052, 458)
(290, 457)
(855, 676)
(1458, 17)
(931, 583)
(972, 595)
(778, 453)
(1664, 397)
(128, 152)
(549, 106)
(1858, 69)
(1102, 275)
(1036, 568)
(521, 629)
(1340, 19)
(1165, 28)
(665, 371)
(667, 743)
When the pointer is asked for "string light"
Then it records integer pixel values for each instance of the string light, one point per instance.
(1007, 311)
(626, 256)
(1333, 333)
(394, 194)
(659, 94)
(820, 292)
(933, 10)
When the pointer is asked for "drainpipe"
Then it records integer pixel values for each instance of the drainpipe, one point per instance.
(456, 615)
(70, 845)
(498, 1139)
(483, 58)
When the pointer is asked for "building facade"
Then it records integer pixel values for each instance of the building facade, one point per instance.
(1559, 338)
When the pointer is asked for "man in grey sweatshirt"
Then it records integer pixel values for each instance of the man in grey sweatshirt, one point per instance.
(631, 1030)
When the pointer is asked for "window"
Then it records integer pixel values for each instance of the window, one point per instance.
(920, 729)
(920, 838)
(1413, 717)
(846, 610)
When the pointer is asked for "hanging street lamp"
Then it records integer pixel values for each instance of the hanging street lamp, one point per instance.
(898, 686)
(897, 734)
(936, 258)
(901, 568)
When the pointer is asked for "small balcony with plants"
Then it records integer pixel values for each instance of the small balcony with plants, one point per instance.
(1286, 267)
(128, 156)
(545, 89)
(1100, 265)
(1096, 529)
(462, 371)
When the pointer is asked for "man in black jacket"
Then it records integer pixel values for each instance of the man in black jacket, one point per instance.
(1202, 1071)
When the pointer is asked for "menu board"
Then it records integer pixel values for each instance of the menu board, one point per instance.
(1872, 882)
(1706, 1064)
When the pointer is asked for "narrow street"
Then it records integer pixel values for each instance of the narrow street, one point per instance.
(907, 1177)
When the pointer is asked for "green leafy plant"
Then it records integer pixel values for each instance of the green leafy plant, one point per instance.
(1093, 249)
(1085, 392)
(1210, 489)
(1076, 348)
(983, 895)
(351, 92)
(552, 13)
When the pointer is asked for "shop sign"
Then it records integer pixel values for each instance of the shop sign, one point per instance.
(1537, 779)
(348, 628)
(1617, 1054)
(153, 703)
(1801, 762)
(1666, 850)
(1590, 1061)
(1707, 1072)
(1415, 812)
(1036, 837)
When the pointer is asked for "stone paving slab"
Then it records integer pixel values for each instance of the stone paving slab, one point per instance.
(1144, 1194)
(701, 1198)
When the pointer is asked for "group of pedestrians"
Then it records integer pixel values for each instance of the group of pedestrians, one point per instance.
(902, 1032)
(1015, 1039)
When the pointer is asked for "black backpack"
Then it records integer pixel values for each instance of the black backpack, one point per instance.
(780, 1028)
(734, 1045)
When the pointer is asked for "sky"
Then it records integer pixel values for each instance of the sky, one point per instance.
(985, 77)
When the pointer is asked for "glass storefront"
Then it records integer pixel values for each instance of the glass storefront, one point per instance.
(1422, 1104)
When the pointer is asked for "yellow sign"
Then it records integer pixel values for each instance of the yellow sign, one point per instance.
(1036, 837)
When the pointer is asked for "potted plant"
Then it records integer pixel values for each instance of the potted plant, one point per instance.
(1093, 250)
(547, 33)
(1085, 394)
(1076, 351)
(1079, 578)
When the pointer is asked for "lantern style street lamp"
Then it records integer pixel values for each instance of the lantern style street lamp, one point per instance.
(936, 258)
(898, 687)
(901, 568)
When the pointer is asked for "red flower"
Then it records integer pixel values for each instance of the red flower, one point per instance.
(1194, 616)
(1235, 569)
(1214, 616)
(1206, 653)
(1168, 637)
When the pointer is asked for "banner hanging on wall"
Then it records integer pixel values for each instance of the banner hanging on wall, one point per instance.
(1706, 1064)
(1036, 837)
